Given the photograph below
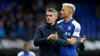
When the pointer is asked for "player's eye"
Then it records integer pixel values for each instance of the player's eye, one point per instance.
(63, 10)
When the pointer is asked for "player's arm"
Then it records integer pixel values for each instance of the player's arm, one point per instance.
(72, 40)
(75, 35)
(38, 40)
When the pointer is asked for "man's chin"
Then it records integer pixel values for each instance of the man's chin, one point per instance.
(63, 17)
(49, 22)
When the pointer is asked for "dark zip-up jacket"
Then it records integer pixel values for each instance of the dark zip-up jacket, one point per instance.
(49, 47)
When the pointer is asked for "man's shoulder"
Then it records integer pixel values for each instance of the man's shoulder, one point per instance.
(20, 53)
(76, 24)
(32, 53)
(60, 21)
(41, 26)
(59, 28)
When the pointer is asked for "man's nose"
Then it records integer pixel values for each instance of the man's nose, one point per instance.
(48, 17)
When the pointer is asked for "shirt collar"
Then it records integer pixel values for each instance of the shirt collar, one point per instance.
(68, 21)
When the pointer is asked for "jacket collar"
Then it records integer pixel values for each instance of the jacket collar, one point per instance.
(49, 25)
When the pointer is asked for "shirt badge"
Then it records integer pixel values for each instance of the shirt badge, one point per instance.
(69, 27)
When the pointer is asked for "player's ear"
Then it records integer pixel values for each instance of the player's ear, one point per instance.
(70, 12)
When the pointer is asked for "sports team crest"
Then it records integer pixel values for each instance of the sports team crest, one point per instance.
(69, 27)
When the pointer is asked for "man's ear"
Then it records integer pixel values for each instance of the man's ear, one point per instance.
(70, 12)
(56, 17)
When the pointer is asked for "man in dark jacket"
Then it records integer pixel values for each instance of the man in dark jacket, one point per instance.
(49, 36)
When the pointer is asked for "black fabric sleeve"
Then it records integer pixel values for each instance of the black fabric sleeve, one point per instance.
(62, 40)
(38, 39)
(81, 46)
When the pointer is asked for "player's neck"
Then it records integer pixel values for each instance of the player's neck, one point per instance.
(68, 19)
(26, 51)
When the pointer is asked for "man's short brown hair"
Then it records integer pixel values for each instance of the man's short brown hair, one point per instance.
(52, 10)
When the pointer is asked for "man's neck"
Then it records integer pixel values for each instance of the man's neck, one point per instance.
(68, 19)
(26, 51)
(52, 23)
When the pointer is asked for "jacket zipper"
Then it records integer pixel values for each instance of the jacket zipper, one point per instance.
(51, 44)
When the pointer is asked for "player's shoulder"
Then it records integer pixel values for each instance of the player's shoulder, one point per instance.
(32, 53)
(76, 24)
(20, 53)
(60, 21)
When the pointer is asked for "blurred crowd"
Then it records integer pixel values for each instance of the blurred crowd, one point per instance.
(21, 19)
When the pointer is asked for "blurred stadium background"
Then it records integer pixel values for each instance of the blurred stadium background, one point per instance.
(20, 18)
